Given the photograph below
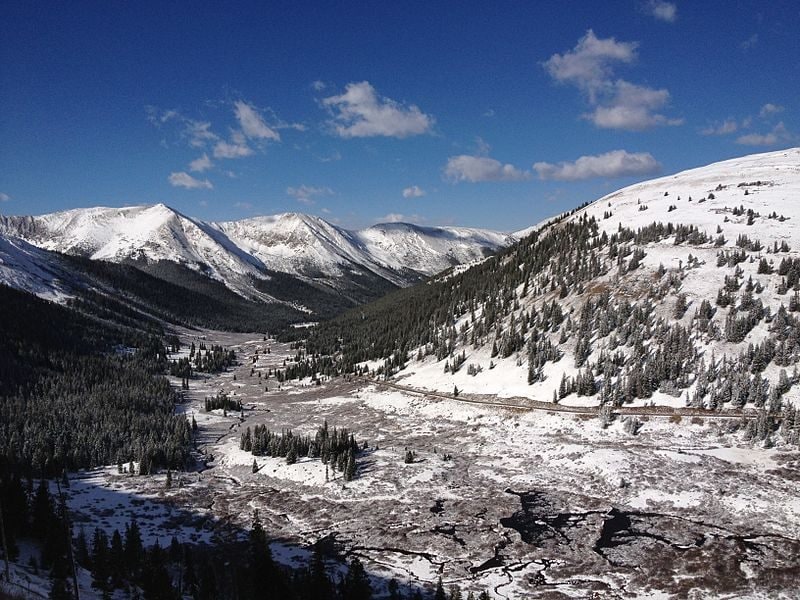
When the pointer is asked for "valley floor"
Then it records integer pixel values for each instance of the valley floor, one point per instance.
(520, 503)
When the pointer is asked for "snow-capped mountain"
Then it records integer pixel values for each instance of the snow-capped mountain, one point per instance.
(682, 290)
(399, 252)
(429, 250)
(147, 233)
(239, 252)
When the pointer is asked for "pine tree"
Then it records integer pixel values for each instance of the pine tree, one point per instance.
(156, 580)
(455, 593)
(116, 559)
(261, 568)
(440, 593)
(42, 511)
(100, 559)
(350, 469)
(355, 585)
(319, 584)
(82, 550)
(134, 549)
(394, 590)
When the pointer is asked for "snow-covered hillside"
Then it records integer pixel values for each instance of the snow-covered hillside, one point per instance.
(26, 267)
(429, 250)
(236, 251)
(677, 291)
(765, 183)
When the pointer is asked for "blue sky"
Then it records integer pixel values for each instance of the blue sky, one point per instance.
(483, 114)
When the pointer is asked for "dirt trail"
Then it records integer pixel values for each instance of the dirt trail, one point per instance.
(527, 404)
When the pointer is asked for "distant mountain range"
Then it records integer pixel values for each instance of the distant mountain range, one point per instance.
(301, 261)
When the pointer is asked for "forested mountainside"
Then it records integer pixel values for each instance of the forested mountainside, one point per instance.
(683, 290)
(78, 391)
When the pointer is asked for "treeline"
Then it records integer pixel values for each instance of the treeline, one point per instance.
(222, 402)
(202, 359)
(211, 360)
(424, 316)
(78, 392)
(336, 448)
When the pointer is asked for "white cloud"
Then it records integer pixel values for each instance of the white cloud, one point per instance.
(243, 205)
(778, 134)
(663, 11)
(617, 163)
(318, 85)
(413, 191)
(482, 147)
(633, 108)
(168, 115)
(199, 133)
(401, 218)
(749, 42)
(184, 180)
(589, 65)
(4, 197)
(252, 123)
(617, 104)
(360, 112)
(305, 194)
(770, 109)
(236, 148)
(200, 164)
(481, 168)
(489, 113)
(758, 139)
(728, 126)
(332, 157)
(156, 116)
(295, 126)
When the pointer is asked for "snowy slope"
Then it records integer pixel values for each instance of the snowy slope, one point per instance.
(429, 250)
(300, 244)
(236, 251)
(755, 196)
(765, 183)
(26, 267)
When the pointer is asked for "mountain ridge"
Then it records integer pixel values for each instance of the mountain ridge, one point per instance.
(234, 251)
